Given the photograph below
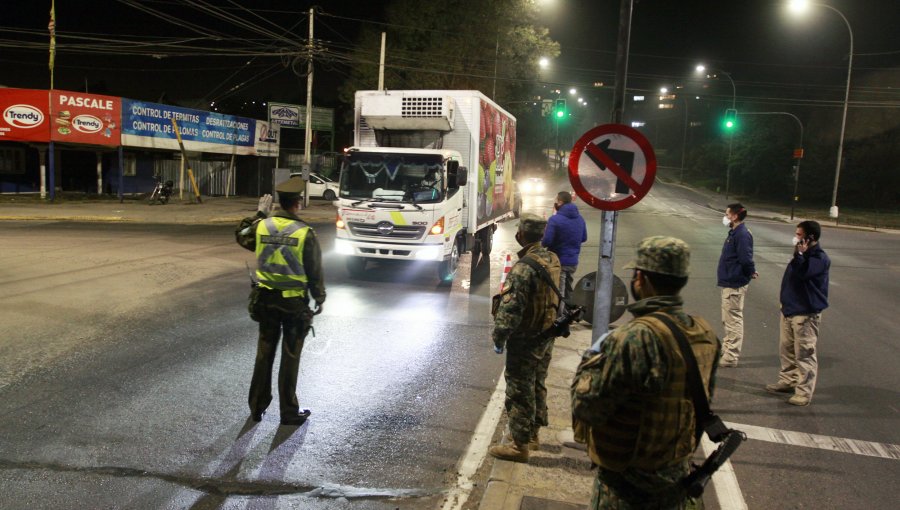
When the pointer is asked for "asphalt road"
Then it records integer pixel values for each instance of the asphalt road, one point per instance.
(126, 349)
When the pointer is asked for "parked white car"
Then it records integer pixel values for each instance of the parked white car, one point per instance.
(321, 187)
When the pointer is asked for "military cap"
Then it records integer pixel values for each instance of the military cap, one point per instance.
(663, 255)
(291, 188)
(532, 224)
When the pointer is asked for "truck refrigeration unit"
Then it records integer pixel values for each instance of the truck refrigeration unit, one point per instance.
(429, 176)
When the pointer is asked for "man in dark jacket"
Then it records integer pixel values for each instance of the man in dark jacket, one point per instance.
(804, 294)
(736, 269)
(565, 232)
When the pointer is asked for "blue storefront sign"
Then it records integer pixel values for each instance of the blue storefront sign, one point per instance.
(150, 125)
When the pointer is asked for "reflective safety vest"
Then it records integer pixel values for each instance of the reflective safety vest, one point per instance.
(279, 255)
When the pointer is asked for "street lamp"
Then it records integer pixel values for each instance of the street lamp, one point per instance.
(799, 7)
(700, 69)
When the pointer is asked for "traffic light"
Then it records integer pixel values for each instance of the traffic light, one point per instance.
(730, 122)
(560, 110)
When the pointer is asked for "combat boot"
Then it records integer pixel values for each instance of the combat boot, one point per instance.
(513, 451)
(535, 443)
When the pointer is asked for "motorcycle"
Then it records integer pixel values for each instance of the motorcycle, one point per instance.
(162, 192)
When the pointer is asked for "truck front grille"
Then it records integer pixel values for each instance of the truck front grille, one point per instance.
(399, 231)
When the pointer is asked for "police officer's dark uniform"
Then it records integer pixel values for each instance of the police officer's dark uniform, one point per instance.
(289, 271)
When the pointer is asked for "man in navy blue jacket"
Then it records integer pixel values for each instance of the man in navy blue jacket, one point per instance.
(804, 294)
(736, 269)
(565, 232)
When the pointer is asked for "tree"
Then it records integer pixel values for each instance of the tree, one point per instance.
(454, 45)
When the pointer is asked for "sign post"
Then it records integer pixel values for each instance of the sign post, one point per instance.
(611, 167)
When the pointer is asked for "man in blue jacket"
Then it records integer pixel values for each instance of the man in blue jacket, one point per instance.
(804, 294)
(565, 232)
(736, 269)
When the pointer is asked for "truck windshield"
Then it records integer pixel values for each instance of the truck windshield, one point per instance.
(414, 178)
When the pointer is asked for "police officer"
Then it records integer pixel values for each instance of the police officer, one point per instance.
(629, 398)
(289, 272)
(527, 308)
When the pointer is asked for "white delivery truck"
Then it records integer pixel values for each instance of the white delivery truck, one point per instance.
(429, 176)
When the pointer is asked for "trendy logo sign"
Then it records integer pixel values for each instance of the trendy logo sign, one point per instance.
(87, 124)
(23, 116)
(85, 118)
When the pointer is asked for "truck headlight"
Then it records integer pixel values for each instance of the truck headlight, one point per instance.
(343, 247)
(429, 253)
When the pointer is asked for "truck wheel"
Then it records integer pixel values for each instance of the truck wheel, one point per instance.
(329, 195)
(447, 268)
(487, 241)
(356, 266)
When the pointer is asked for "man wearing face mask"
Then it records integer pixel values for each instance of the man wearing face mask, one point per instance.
(527, 307)
(804, 294)
(736, 269)
(565, 233)
(628, 397)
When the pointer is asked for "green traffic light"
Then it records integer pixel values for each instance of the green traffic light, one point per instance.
(560, 114)
(729, 124)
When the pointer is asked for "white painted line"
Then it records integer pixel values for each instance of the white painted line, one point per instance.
(477, 449)
(724, 481)
(836, 444)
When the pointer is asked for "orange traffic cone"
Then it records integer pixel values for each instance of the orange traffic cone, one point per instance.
(506, 269)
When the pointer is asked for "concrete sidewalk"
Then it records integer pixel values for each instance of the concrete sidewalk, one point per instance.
(558, 476)
(213, 210)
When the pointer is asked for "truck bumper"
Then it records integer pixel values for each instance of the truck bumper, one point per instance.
(395, 251)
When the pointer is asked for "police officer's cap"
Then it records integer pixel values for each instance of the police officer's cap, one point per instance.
(532, 224)
(291, 188)
(663, 255)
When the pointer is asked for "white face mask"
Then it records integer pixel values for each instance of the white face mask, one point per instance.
(726, 221)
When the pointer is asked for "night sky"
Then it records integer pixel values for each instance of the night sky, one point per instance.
(768, 53)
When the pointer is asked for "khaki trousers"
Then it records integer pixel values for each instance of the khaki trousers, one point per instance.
(733, 322)
(797, 349)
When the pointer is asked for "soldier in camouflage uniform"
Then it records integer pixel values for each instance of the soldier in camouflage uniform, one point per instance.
(629, 398)
(289, 271)
(527, 307)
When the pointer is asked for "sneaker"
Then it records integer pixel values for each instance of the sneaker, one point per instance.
(513, 452)
(798, 400)
(535, 443)
(780, 387)
(728, 364)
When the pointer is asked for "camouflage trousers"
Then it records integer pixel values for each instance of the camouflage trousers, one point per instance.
(527, 362)
(288, 320)
(612, 491)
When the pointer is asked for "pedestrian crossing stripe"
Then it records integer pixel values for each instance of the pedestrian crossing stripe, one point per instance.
(836, 444)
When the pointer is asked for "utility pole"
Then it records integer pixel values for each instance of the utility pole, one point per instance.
(380, 63)
(307, 142)
(605, 271)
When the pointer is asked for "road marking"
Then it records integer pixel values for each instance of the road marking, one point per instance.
(725, 483)
(477, 449)
(835, 444)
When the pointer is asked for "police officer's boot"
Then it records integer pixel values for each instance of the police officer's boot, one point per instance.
(512, 451)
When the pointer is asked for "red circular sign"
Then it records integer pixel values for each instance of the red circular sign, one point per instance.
(612, 167)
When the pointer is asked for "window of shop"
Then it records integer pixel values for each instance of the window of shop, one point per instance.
(12, 160)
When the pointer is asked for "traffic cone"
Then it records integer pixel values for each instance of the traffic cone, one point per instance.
(507, 267)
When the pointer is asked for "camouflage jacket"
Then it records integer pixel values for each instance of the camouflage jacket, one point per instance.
(527, 297)
(245, 235)
(635, 364)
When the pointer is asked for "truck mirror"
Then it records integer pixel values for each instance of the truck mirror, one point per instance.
(462, 176)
